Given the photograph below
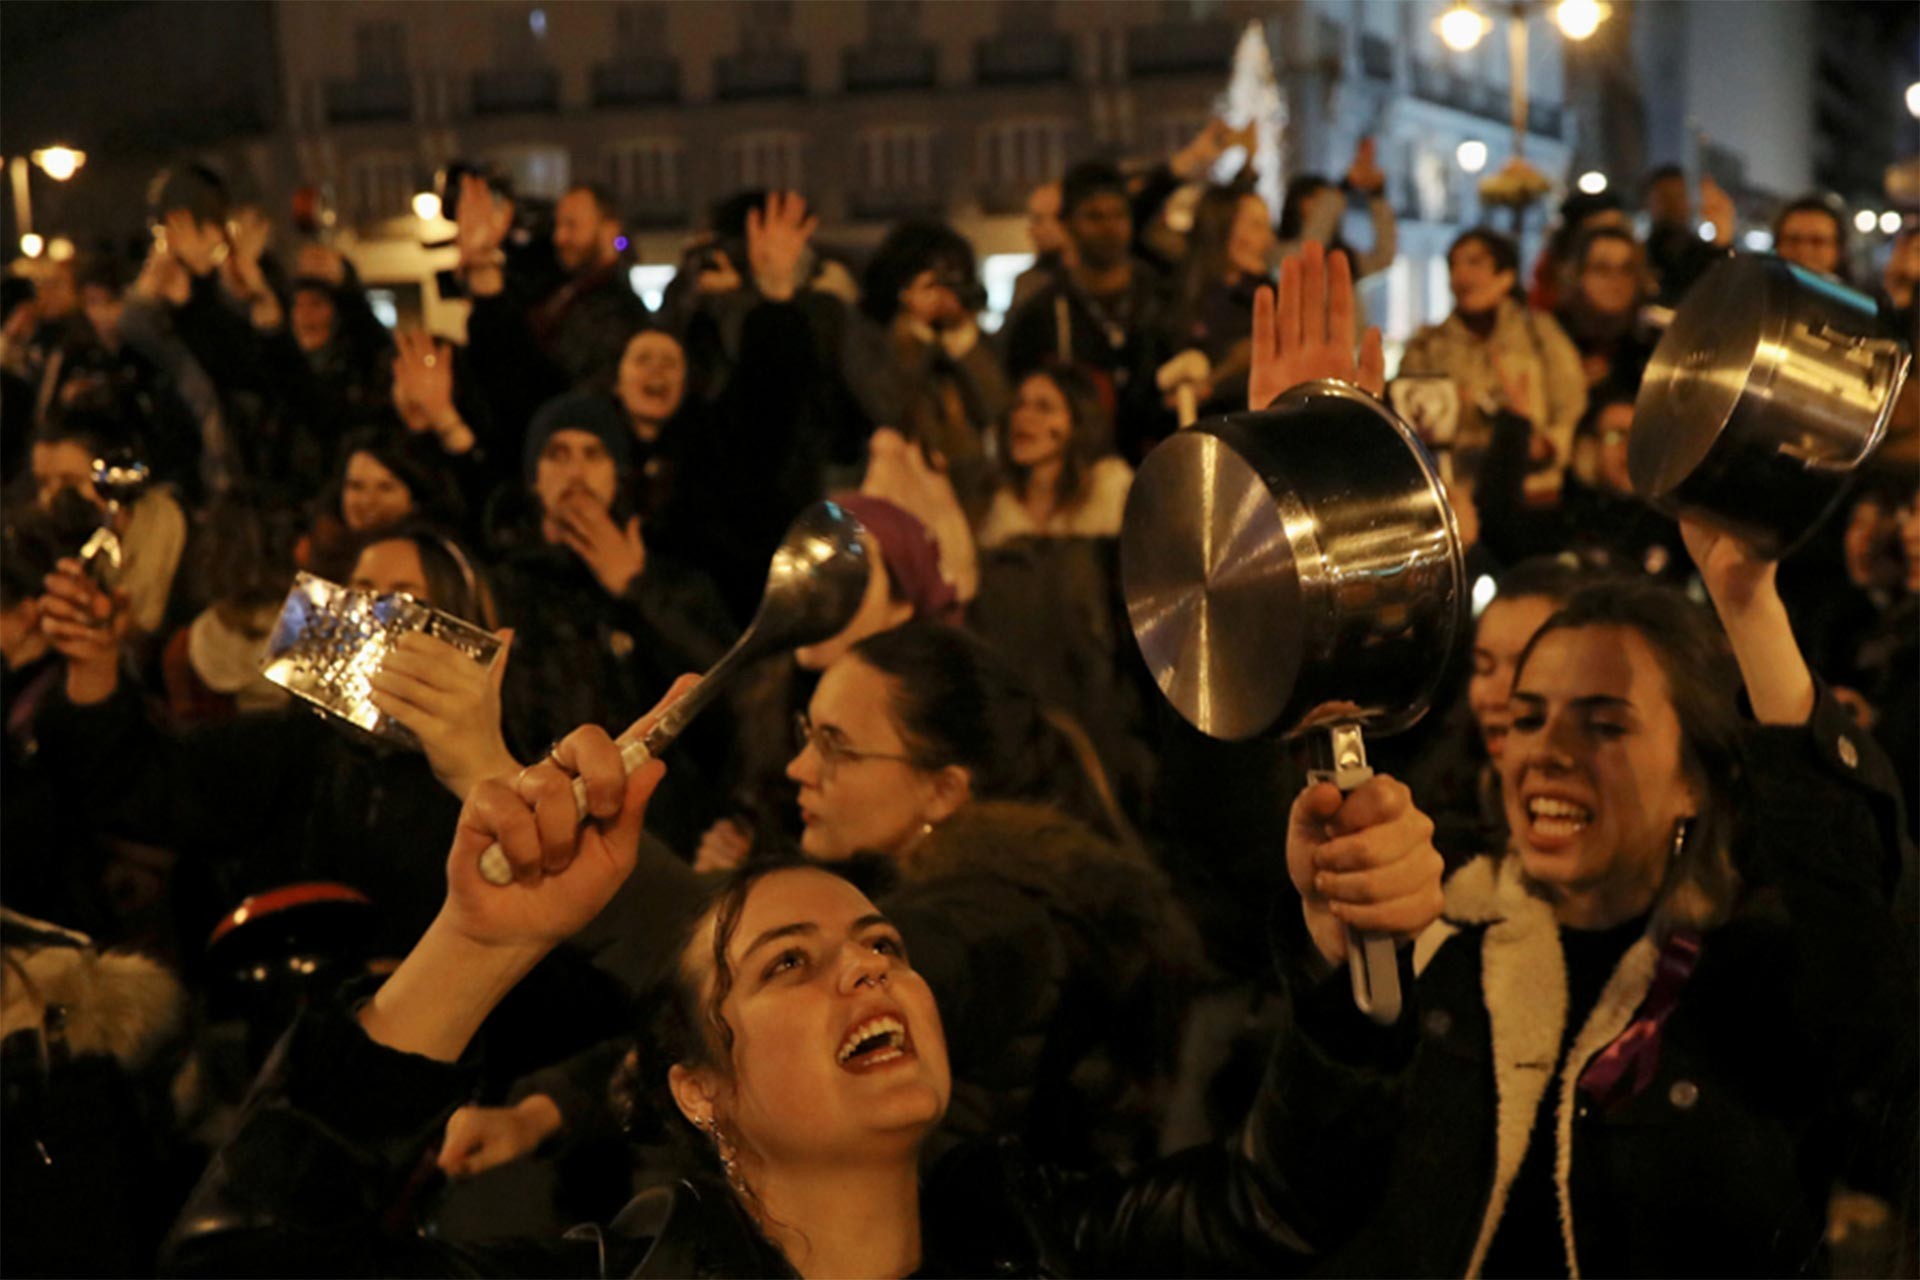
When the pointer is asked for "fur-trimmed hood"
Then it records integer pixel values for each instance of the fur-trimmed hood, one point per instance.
(116, 1004)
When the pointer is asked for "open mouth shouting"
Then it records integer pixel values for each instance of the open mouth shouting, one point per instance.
(874, 1043)
(1553, 821)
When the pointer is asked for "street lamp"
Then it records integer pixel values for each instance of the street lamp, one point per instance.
(1865, 221)
(1889, 222)
(59, 163)
(426, 206)
(31, 245)
(1472, 155)
(1913, 98)
(1593, 182)
(1462, 26)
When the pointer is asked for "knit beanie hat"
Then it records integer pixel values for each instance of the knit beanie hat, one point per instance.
(597, 415)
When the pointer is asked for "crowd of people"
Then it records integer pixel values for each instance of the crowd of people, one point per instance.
(942, 945)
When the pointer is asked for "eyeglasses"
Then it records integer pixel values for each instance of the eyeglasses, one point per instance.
(833, 753)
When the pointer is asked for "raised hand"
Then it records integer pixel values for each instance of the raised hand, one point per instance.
(1364, 175)
(452, 704)
(1741, 584)
(85, 625)
(482, 222)
(423, 387)
(1308, 333)
(1363, 860)
(776, 238)
(724, 847)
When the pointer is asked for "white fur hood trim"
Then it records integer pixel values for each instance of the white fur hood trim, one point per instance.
(1523, 981)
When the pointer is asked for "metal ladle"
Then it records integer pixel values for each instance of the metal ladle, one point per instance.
(814, 587)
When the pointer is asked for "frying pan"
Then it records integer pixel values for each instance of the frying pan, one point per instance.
(1296, 573)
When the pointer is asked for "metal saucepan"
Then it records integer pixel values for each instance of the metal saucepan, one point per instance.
(1296, 572)
(1771, 388)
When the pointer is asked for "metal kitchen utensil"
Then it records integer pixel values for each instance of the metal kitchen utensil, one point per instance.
(1770, 389)
(1295, 572)
(814, 587)
(119, 478)
(330, 641)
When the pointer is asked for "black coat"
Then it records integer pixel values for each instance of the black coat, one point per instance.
(337, 1122)
(1786, 1063)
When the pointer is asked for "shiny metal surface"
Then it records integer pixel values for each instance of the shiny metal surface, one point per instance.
(814, 587)
(1294, 568)
(1768, 391)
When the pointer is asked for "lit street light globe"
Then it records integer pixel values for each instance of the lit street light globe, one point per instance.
(426, 206)
(60, 163)
(1593, 182)
(1865, 221)
(60, 249)
(31, 245)
(1890, 221)
(1578, 19)
(1472, 155)
(1461, 27)
(1913, 98)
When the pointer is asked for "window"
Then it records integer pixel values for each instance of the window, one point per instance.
(896, 158)
(379, 186)
(1026, 17)
(893, 21)
(542, 172)
(379, 50)
(770, 160)
(649, 172)
(1023, 153)
(765, 25)
(519, 36)
(640, 30)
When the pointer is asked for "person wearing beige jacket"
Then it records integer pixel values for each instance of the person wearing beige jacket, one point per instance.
(1504, 358)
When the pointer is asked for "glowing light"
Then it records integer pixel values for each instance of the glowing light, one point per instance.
(1913, 98)
(620, 244)
(1461, 27)
(1709, 232)
(60, 249)
(31, 245)
(60, 163)
(1865, 221)
(1578, 19)
(1472, 155)
(1759, 240)
(537, 22)
(426, 206)
(1593, 182)
(1889, 222)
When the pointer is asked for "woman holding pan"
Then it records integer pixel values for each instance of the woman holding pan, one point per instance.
(1661, 1024)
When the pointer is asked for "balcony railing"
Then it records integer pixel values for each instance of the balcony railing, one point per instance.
(1177, 48)
(889, 66)
(1376, 57)
(512, 90)
(1023, 57)
(766, 73)
(369, 98)
(636, 82)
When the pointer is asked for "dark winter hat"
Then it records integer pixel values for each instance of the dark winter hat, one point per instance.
(596, 415)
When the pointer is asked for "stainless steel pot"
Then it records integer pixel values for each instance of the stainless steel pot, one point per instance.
(1771, 388)
(1296, 572)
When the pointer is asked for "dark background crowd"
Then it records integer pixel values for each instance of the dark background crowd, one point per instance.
(603, 484)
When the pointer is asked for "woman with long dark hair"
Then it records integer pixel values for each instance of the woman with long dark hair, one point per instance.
(802, 1060)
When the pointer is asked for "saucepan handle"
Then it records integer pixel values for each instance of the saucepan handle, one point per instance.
(1371, 961)
(494, 867)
